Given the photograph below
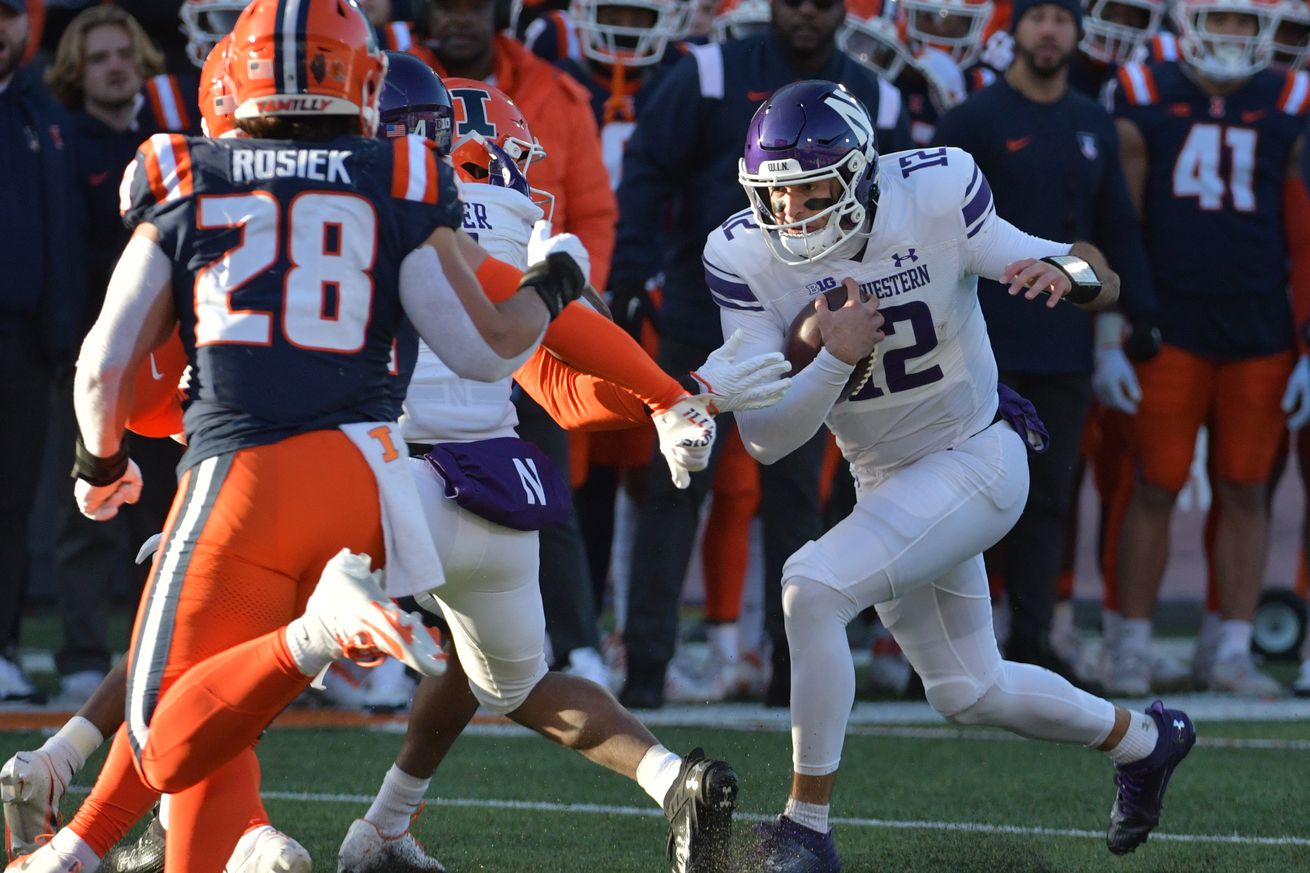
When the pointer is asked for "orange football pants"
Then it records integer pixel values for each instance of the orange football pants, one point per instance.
(243, 548)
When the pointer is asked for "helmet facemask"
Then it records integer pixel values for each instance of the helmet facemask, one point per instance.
(1114, 31)
(1219, 56)
(634, 44)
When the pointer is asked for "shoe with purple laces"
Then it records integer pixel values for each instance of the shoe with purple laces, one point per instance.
(787, 847)
(1142, 783)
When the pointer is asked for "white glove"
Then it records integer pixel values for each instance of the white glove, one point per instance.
(101, 503)
(686, 431)
(1114, 381)
(542, 243)
(732, 385)
(1296, 399)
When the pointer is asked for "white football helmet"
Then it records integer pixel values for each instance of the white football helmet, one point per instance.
(954, 26)
(869, 34)
(205, 22)
(1292, 35)
(1220, 56)
(629, 45)
(737, 19)
(1116, 31)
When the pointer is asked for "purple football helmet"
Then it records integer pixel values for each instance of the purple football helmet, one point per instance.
(807, 132)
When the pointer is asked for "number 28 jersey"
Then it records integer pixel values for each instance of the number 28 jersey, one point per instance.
(935, 230)
(286, 263)
(1213, 205)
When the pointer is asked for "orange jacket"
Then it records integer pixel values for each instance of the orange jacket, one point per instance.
(559, 112)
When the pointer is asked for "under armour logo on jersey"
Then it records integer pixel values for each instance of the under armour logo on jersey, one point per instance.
(909, 257)
(531, 481)
(852, 113)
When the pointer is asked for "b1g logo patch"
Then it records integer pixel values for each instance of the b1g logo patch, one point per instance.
(827, 283)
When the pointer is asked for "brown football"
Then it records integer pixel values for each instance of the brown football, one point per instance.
(803, 342)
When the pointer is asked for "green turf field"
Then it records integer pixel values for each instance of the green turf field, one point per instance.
(938, 800)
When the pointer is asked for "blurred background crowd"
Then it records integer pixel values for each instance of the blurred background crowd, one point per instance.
(1167, 132)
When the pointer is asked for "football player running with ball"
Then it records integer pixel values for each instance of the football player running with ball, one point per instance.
(936, 449)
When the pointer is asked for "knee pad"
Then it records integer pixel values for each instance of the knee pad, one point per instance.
(956, 697)
(503, 686)
(807, 600)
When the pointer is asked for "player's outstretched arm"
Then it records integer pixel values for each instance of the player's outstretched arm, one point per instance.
(136, 317)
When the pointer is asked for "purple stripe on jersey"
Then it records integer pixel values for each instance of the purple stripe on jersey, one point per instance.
(980, 225)
(732, 304)
(982, 198)
(972, 181)
(731, 290)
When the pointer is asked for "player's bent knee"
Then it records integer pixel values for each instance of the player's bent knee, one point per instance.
(958, 698)
(503, 688)
(807, 601)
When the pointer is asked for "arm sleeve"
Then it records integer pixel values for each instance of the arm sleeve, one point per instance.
(1118, 235)
(773, 433)
(577, 400)
(658, 152)
(440, 319)
(593, 344)
(991, 242)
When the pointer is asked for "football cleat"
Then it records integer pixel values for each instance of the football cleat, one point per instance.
(31, 787)
(46, 859)
(1237, 674)
(365, 624)
(146, 855)
(699, 807)
(787, 847)
(366, 850)
(267, 850)
(1142, 783)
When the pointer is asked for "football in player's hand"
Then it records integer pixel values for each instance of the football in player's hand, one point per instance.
(804, 341)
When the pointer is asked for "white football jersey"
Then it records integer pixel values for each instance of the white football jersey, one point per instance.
(934, 381)
(440, 406)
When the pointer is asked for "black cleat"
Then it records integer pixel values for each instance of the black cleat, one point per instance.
(699, 808)
(1142, 783)
(146, 855)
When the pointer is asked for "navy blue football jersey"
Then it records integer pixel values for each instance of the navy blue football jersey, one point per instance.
(1213, 222)
(286, 262)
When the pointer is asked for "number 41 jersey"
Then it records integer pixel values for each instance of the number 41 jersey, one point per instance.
(934, 232)
(1213, 206)
(286, 265)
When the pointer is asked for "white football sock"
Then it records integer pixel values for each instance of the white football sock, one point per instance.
(1135, 635)
(1139, 742)
(811, 815)
(1234, 640)
(725, 642)
(397, 801)
(657, 772)
(310, 645)
(69, 843)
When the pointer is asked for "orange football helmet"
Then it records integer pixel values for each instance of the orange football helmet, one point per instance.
(870, 35)
(485, 114)
(737, 19)
(216, 102)
(953, 26)
(306, 57)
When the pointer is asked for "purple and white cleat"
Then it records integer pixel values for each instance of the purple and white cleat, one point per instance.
(1142, 783)
(787, 847)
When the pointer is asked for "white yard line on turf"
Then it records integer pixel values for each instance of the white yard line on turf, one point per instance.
(885, 824)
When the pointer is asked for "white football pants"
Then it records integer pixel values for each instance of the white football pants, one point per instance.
(491, 599)
(913, 547)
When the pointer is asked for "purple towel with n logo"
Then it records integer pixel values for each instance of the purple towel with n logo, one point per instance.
(506, 480)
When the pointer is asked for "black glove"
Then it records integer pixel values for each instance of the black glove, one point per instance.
(1143, 340)
(632, 307)
(558, 280)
